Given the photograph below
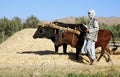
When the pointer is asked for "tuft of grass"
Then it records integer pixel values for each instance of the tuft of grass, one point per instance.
(94, 75)
(14, 74)
(34, 73)
(6, 74)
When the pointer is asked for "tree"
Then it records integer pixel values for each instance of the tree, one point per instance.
(4, 22)
(103, 26)
(31, 22)
(16, 21)
(83, 20)
(116, 30)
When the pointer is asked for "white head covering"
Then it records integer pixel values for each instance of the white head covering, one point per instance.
(91, 14)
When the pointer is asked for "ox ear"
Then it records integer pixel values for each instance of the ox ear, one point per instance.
(44, 24)
(63, 35)
(84, 25)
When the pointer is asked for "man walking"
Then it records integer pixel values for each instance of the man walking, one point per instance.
(91, 37)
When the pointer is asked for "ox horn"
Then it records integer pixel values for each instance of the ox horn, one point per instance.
(44, 24)
(39, 24)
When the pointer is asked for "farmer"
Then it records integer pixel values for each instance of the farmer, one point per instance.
(91, 37)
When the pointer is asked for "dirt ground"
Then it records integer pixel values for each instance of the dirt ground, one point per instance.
(22, 52)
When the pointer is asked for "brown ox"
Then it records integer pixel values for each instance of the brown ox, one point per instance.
(76, 41)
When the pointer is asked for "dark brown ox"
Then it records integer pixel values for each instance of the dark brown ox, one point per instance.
(49, 33)
(77, 41)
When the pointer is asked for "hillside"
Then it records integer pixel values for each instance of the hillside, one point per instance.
(107, 20)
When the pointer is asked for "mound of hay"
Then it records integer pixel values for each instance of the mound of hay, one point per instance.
(23, 41)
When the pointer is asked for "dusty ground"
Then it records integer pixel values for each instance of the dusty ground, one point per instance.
(22, 52)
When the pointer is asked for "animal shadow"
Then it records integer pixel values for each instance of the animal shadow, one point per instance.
(46, 52)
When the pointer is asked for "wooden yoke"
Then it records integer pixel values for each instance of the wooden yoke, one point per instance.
(60, 28)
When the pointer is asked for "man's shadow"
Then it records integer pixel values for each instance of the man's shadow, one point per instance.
(81, 59)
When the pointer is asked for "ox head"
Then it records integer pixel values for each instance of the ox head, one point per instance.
(44, 32)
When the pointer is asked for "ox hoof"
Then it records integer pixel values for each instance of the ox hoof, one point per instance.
(56, 51)
(77, 60)
(108, 60)
(65, 53)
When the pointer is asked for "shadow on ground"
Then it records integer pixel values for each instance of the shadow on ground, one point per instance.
(81, 59)
(71, 55)
(46, 52)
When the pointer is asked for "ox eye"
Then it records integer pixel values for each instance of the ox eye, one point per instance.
(63, 35)
(40, 31)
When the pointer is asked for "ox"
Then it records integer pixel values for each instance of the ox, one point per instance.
(77, 41)
(50, 33)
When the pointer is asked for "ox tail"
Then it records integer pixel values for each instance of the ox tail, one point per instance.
(113, 39)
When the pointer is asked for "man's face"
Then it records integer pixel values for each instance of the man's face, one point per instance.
(90, 15)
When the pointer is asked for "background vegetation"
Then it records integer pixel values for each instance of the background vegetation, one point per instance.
(9, 27)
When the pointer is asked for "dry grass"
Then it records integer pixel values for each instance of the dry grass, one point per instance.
(36, 56)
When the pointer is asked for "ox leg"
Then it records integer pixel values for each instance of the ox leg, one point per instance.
(56, 48)
(101, 54)
(108, 54)
(77, 54)
(64, 48)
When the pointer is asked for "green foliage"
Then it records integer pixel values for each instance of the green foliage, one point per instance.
(31, 22)
(77, 75)
(17, 24)
(115, 29)
(14, 74)
(103, 26)
(4, 28)
(26, 74)
(112, 74)
(9, 27)
(81, 20)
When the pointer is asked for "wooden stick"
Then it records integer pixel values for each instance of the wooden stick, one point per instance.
(61, 28)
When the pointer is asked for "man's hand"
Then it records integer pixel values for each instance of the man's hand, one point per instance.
(87, 30)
